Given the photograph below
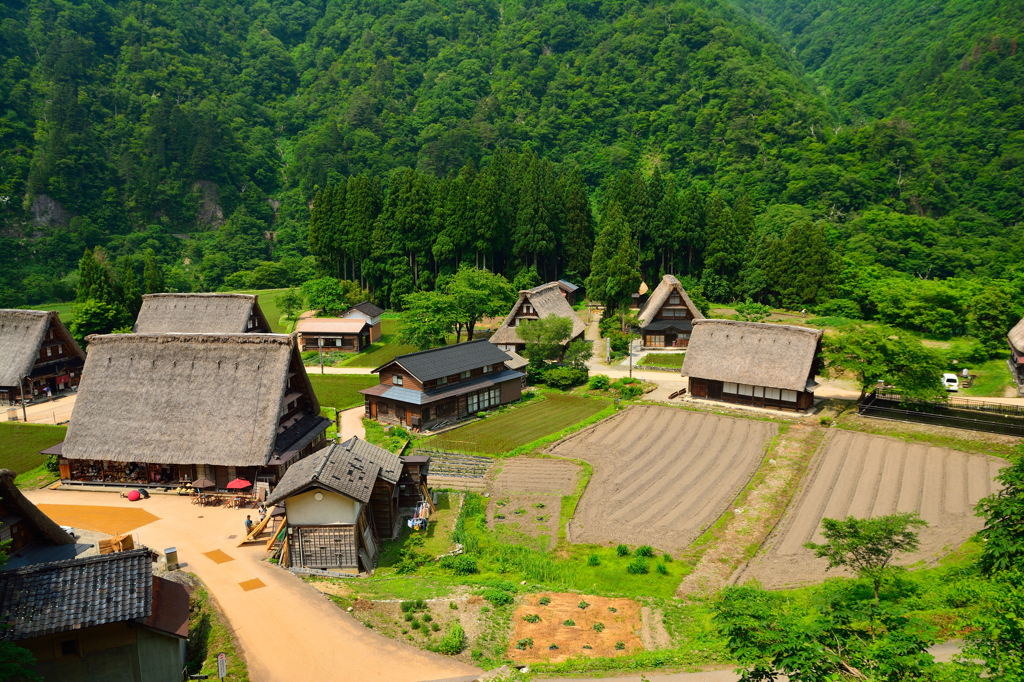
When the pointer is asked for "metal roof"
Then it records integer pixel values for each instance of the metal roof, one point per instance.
(366, 308)
(448, 360)
(408, 395)
(73, 594)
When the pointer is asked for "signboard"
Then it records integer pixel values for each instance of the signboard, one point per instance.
(222, 665)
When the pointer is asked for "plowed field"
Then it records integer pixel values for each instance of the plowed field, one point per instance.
(662, 475)
(863, 476)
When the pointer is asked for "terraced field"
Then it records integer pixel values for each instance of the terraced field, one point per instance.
(662, 475)
(863, 475)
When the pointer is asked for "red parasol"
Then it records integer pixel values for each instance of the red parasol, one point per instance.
(238, 484)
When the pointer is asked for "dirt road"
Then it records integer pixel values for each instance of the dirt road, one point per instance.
(46, 412)
(287, 630)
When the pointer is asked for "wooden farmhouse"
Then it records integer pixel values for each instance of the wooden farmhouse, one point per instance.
(201, 314)
(164, 409)
(569, 290)
(436, 387)
(1016, 340)
(666, 318)
(341, 501)
(354, 331)
(36, 352)
(103, 617)
(534, 304)
(752, 363)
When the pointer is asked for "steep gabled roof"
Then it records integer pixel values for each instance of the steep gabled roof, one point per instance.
(666, 286)
(62, 596)
(14, 501)
(198, 313)
(1016, 337)
(21, 334)
(365, 308)
(445, 361)
(546, 299)
(350, 468)
(184, 398)
(772, 355)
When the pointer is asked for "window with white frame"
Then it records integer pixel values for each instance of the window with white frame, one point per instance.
(771, 393)
(442, 381)
(758, 391)
(673, 299)
(396, 379)
(488, 368)
(49, 352)
(465, 375)
(788, 396)
(527, 308)
(481, 400)
(728, 387)
(745, 389)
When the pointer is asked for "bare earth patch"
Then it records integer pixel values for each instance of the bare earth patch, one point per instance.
(529, 475)
(618, 619)
(532, 515)
(662, 475)
(757, 512)
(864, 475)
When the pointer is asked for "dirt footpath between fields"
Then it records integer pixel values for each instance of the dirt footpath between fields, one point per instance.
(662, 475)
(864, 475)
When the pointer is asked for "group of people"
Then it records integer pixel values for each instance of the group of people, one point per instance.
(248, 519)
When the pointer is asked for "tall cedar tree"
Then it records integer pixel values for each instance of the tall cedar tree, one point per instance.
(131, 292)
(724, 246)
(578, 239)
(691, 232)
(153, 276)
(94, 281)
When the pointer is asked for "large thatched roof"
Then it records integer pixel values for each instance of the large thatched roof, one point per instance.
(1016, 337)
(21, 334)
(547, 300)
(666, 286)
(15, 502)
(773, 355)
(198, 314)
(184, 398)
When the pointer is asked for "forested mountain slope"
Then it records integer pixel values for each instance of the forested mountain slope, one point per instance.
(951, 71)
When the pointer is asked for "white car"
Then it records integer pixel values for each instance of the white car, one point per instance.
(950, 382)
(69, 530)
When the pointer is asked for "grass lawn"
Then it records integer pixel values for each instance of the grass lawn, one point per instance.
(20, 444)
(663, 359)
(385, 349)
(507, 431)
(63, 309)
(268, 304)
(993, 379)
(340, 391)
(208, 635)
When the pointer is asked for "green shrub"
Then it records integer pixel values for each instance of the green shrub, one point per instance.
(415, 624)
(593, 560)
(587, 646)
(598, 382)
(619, 646)
(427, 617)
(420, 603)
(662, 569)
(552, 647)
(631, 391)
(452, 641)
(612, 609)
(565, 377)
(409, 617)
(644, 551)
(498, 597)
(544, 601)
(462, 564)
(569, 623)
(622, 550)
(453, 606)
(523, 644)
(532, 618)
(435, 627)
(485, 609)
(584, 604)
(637, 566)
(667, 558)
(407, 606)
(598, 627)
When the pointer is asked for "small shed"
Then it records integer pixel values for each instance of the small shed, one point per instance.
(752, 363)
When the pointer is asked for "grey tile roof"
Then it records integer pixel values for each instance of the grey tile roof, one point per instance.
(448, 360)
(350, 468)
(301, 433)
(68, 595)
(367, 308)
(407, 395)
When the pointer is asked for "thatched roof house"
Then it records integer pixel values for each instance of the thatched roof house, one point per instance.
(767, 365)
(201, 314)
(1016, 340)
(666, 318)
(340, 501)
(180, 406)
(534, 304)
(21, 522)
(36, 352)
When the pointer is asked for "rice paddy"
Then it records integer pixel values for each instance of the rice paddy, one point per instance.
(503, 432)
(20, 444)
(663, 359)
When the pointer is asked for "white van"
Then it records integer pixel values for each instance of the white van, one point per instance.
(950, 382)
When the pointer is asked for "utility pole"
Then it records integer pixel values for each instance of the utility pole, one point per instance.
(21, 387)
(320, 343)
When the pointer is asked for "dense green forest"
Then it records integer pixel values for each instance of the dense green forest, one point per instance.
(863, 158)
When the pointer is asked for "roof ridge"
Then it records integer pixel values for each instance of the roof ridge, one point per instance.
(433, 350)
(323, 462)
(759, 325)
(79, 561)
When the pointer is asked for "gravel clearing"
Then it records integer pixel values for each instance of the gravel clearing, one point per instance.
(864, 475)
(662, 475)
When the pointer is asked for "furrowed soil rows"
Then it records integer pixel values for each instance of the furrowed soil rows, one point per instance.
(661, 475)
(864, 475)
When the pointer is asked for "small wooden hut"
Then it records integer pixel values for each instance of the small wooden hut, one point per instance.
(751, 363)
(352, 332)
(36, 352)
(164, 409)
(201, 314)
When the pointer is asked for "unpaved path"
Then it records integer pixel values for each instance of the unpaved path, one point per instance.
(864, 475)
(661, 475)
(352, 423)
(287, 629)
(46, 412)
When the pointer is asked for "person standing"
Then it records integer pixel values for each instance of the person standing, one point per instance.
(248, 525)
